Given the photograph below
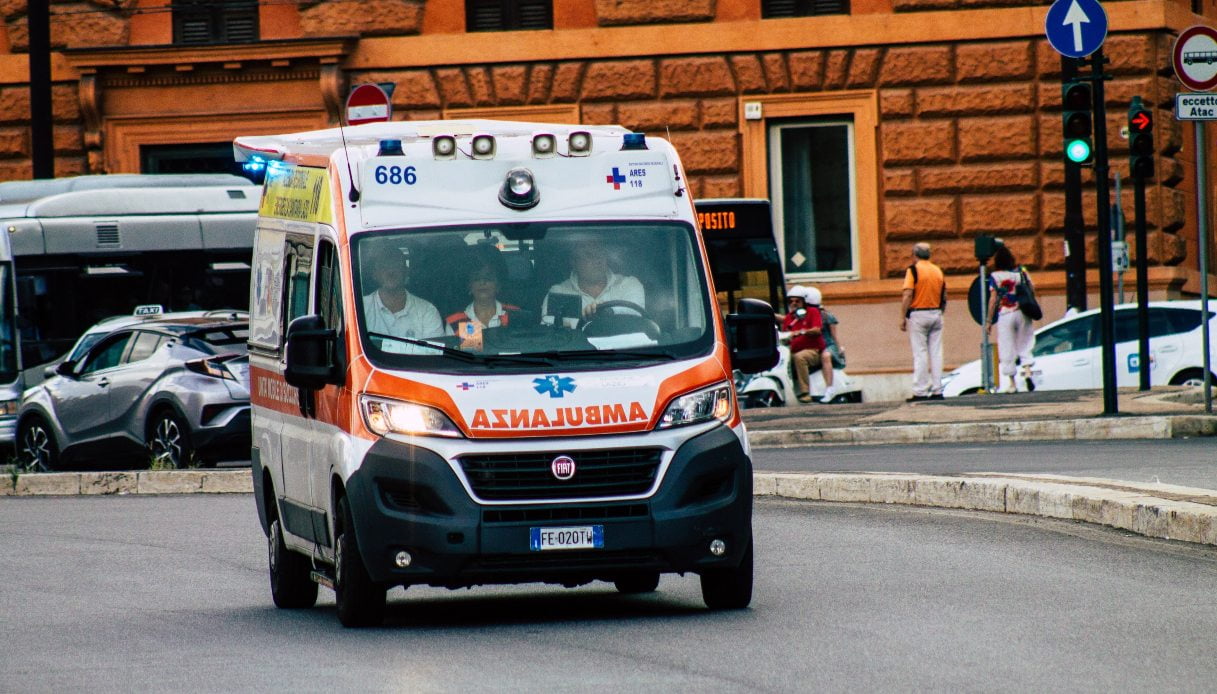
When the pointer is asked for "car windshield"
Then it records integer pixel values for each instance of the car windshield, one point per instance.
(477, 298)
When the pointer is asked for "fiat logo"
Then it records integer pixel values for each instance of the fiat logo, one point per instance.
(563, 467)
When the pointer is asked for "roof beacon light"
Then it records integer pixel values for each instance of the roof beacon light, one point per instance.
(390, 148)
(634, 141)
(519, 191)
(544, 145)
(579, 143)
(443, 147)
(483, 146)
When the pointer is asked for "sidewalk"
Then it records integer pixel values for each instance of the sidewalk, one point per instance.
(1161, 413)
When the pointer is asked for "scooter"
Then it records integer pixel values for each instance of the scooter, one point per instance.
(775, 387)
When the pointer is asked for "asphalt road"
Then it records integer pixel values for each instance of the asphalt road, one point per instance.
(1187, 462)
(169, 594)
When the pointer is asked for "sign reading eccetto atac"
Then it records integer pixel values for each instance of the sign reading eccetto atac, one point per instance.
(299, 193)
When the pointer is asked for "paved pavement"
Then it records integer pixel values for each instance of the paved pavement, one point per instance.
(1155, 510)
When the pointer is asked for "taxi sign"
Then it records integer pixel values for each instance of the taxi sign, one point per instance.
(148, 310)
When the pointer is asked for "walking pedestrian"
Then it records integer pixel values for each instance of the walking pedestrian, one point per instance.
(1015, 336)
(805, 328)
(833, 354)
(921, 309)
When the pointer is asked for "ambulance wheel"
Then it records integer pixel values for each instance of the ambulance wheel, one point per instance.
(729, 589)
(641, 582)
(291, 582)
(361, 602)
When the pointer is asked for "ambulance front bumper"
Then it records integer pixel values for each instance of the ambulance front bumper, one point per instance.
(408, 498)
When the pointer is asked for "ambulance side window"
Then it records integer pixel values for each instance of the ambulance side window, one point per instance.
(298, 265)
(329, 286)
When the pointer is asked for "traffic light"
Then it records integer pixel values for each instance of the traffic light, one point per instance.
(1077, 120)
(1140, 140)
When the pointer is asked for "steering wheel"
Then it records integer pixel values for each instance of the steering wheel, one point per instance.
(606, 322)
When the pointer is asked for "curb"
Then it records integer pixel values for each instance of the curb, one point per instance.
(1087, 429)
(1161, 511)
(147, 482)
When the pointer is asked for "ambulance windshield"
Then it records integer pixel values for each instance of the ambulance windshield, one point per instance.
(476, 298)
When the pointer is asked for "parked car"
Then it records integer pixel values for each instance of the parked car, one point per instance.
(1068, 354)
(174, 390)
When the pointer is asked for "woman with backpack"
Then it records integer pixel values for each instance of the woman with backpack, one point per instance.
(1015, 334)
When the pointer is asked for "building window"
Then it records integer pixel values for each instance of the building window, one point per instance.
(776, 9)
(215, 21)
(508, 15)
(811, 184)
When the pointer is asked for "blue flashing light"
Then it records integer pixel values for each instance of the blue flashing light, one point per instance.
(390, 148)
(253, 166)
(634, 141)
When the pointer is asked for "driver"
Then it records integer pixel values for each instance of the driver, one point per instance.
(594, 283)
(391, 309)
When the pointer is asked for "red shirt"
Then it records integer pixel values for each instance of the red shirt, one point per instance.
(811, 319)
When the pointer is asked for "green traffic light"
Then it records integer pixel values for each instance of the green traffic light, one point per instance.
(1078, 151)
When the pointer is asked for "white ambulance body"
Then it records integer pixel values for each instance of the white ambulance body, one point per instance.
(490, 352)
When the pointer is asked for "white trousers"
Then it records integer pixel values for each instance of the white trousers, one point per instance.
(1015, 338)
(925, 337)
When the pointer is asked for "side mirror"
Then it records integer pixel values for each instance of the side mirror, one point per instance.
(310, 354)
(63, 368)
(752, 337)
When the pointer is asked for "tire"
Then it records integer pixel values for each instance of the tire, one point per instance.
(641, 582)
(1191, 377)
(36, 448)
(361, 602)
(729, 589)
(291, 582)
(766, 398)
(169, 440)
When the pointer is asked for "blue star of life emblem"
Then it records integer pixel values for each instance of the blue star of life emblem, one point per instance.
(556, 386)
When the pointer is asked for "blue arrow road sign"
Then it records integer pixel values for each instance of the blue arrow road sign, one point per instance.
(1076, 28)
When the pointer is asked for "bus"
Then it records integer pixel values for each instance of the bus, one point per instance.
(79, 250)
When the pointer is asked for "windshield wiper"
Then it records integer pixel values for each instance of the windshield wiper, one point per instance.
(468, 357)
(604, 354)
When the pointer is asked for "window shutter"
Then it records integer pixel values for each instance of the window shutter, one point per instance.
(534, 14)
(773, 9)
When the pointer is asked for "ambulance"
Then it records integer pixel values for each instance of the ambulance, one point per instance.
(491, 352)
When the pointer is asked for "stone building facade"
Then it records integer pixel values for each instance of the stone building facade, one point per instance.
(948, 112)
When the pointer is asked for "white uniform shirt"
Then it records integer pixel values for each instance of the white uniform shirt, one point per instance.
(618, 288)
(418, 320)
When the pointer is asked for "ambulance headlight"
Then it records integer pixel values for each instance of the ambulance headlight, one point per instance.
(384, 416)
(699, 406)
(443, 147)
(579, 143)
(483, 147)
(544, 145)
(519, 191)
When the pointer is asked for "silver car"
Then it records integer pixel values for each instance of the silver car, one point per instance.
(172, 392)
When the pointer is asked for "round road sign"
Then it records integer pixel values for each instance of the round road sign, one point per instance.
(367, 103)
(1195, 58)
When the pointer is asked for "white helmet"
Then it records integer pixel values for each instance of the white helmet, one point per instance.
(798, 290)
(812, 296)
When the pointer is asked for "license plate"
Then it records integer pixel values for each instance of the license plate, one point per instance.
(578, 537)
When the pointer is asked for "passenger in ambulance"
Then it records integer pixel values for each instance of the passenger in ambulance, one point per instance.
(593, 284)
(487, 271)
(391, 309)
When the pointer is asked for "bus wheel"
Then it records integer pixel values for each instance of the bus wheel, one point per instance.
(169, 441)
(729, 589)
(291, 582)
(36, 449)
(641, 582)
(361, 602)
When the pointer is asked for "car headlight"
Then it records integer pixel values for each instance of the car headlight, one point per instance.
(8, 407)
(385, 416)
(699, 406)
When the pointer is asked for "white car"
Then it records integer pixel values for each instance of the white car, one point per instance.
(1068, 355)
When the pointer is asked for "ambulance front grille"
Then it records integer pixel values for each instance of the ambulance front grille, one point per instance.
(527, 476)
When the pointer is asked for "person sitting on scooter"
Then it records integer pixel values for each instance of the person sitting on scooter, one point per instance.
(806, 338)
(833, 354)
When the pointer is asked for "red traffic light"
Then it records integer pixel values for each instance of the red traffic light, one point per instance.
(1140, 121)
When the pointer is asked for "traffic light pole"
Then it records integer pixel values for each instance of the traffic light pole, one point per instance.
(1107, 313)
(1075, 229)
(1142, 281)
